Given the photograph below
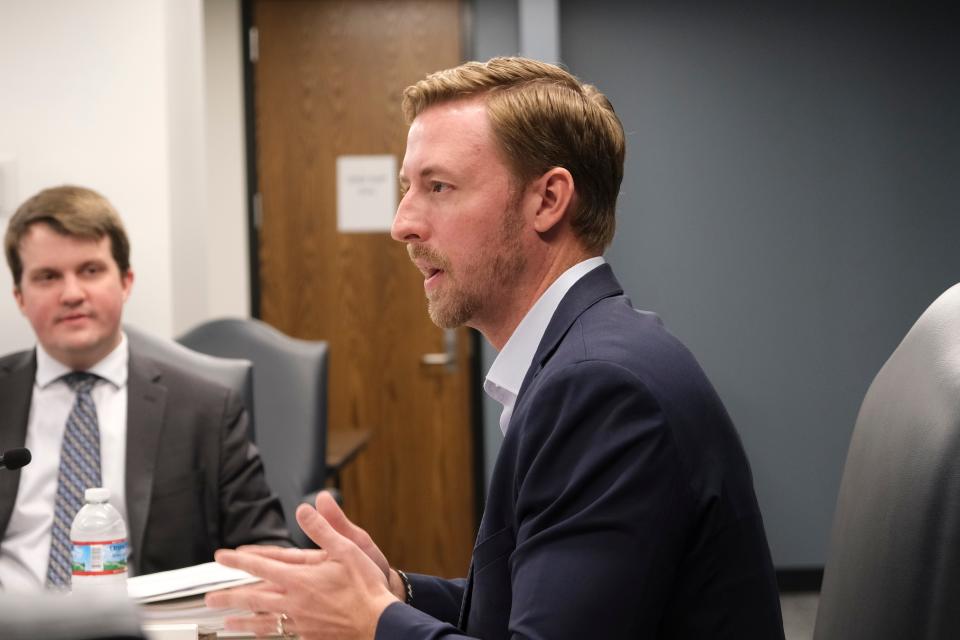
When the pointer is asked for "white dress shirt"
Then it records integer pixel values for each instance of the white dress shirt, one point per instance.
(25, 550)
(508, 370)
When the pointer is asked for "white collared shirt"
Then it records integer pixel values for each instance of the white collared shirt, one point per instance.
(25, 549)
(510, 367)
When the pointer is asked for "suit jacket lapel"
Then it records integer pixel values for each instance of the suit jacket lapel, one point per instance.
(587, 291)
(590, 289)
(146, 403)
(16, 393)
(464, 617)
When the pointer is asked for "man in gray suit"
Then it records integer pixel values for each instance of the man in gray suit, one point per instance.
(170, 446)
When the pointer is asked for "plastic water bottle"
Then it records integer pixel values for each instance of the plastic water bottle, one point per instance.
(99, 539)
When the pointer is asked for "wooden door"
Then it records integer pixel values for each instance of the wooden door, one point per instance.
(328, 82)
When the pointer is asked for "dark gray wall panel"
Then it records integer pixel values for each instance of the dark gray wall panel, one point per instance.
(791, 205)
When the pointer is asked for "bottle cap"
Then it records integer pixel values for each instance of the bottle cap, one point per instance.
(97, 494)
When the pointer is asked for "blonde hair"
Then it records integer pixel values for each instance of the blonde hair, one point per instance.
(70, 211)
(542, 117)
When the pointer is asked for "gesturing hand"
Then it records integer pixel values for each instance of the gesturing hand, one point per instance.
(336, 592)
(331, 511)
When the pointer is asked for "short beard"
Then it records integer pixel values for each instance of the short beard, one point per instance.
(464, 304)
(453, 315)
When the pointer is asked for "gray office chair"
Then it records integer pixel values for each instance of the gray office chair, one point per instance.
(893, 570)
(233, 373)
(290, 399)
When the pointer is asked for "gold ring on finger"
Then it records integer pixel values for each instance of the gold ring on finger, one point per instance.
(281, 626)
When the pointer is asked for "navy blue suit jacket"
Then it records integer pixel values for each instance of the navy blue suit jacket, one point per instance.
(621, 504)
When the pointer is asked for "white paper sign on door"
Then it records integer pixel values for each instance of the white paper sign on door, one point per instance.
(366, 193)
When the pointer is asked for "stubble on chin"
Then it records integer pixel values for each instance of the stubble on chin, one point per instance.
(445, 307)
(493, 275)
(457, 303)
(450, 313)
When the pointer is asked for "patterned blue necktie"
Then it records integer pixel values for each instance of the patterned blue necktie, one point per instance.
(79, 470)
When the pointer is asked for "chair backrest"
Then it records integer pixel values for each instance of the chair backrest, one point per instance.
(233, 373)
(893, 569)
(290, 396)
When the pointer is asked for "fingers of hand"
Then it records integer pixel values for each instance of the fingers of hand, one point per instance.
(320, 531)
(280, 573)
(267, 586)
(261, 624)
(326, 504)
(329, 509)
(252, 598)
(284, 554)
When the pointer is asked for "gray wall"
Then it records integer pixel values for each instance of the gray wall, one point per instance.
(790, 207)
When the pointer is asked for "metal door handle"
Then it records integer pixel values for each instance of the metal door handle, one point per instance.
(446, 358)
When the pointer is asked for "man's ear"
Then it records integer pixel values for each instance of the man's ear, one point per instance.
(556, 190)
(18, 296)
(126, 281)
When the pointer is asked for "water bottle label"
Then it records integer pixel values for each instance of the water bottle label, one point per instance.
(99, 558)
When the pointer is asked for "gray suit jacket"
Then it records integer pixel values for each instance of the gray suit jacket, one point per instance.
(194, 482)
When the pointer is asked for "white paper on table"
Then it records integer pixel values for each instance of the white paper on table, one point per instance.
(179, 583)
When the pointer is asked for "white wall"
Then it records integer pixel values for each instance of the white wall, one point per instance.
(228, 279)
(110, 94)
(186, 156)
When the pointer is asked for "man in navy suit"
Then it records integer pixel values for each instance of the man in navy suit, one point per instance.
(621, 504)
